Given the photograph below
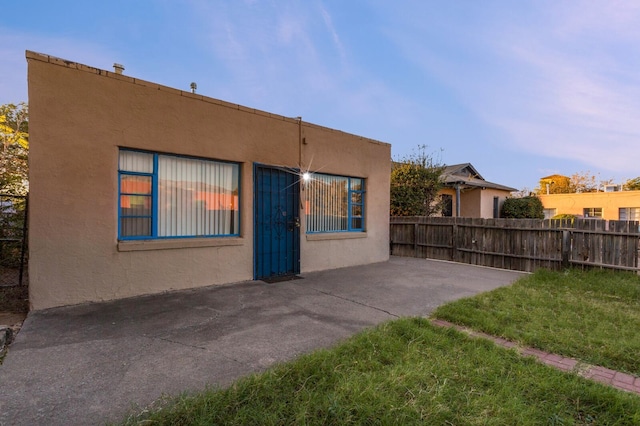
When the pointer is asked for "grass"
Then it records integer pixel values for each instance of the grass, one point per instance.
(405, 372)
(14, 299)
(593, 316)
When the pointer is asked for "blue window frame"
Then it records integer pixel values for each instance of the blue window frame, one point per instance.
(334, 204)
(169, 196)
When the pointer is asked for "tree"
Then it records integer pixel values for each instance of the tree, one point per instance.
(415, 183)
(14, 150)
(632, 184)
(554, 184)
(587, 182)
(578, 182)
(523, 208)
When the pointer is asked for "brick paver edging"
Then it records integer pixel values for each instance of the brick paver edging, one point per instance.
(617, 379)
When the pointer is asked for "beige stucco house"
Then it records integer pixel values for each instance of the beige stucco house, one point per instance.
(468, 194)
(614, 205)
(138, 188)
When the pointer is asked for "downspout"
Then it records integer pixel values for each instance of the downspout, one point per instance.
(457, 199)
(299, 142)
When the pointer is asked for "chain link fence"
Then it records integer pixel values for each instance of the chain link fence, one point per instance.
(13, 240)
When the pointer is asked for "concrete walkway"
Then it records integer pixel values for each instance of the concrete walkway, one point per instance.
(90, 364)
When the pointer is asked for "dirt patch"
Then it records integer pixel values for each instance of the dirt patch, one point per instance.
(11, 319)
(14, 299)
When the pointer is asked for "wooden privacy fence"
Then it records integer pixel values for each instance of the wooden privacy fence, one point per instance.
(519, 244)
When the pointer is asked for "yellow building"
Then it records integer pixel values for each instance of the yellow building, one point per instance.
(614, 205)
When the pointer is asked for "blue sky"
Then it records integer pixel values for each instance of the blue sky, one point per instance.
(520, 89)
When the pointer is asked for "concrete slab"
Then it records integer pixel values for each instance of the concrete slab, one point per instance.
(90, 364)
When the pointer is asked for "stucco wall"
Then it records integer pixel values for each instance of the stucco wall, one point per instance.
(610, 202)
(487, 201)
(470, 203)
(80, 116)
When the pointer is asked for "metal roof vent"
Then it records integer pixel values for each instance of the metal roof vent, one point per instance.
(118, 68)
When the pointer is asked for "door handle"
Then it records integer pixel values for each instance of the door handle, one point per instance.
(295, 223)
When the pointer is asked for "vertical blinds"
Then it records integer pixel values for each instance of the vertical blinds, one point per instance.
(182, 197)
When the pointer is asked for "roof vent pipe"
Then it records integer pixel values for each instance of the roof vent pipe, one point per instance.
(118, 68)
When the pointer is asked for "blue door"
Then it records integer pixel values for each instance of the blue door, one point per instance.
(277, 223)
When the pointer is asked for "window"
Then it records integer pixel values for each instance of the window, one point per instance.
(166, 196)
(447, 205)
(549, 213)
(629, 213)
(592, 212)
(334, 204)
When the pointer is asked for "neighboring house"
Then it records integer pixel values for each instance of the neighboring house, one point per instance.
(138, 188)
(467, 194)
(614, 205)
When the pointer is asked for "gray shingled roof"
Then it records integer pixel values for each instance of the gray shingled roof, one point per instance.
(465, 174)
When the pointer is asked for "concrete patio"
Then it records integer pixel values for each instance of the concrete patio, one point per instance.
(89, 364)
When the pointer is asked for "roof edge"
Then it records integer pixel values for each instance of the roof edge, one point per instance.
(43, 57)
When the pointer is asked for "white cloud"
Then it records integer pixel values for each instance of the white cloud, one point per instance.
(332, 31)
(561, 82)
(290, 59)
(578, 105)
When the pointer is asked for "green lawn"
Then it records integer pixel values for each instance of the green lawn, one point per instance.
(592, 316)
(406, 372)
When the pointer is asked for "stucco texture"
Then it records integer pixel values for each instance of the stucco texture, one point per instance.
(609, 202)
(79, 119)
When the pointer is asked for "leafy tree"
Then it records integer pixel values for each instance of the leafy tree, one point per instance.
(523, 208)
(557, 184)
(578, 182)
(632, 184)
(415, 182)
(14, 148)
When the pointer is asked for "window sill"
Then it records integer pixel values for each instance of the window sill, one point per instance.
(336, 236)
(141, 245)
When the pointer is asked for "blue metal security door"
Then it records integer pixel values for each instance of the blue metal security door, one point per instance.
(277, 223)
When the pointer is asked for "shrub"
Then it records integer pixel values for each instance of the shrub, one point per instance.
(565, 216)
(523, 208)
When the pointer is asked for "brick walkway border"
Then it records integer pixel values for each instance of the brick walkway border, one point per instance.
(616, 379)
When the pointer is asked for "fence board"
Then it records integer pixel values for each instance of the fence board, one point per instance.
(519, 244)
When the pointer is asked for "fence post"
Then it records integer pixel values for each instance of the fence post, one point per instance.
(566, 247)
(415, 239)
(454, 241)
(638, 252)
